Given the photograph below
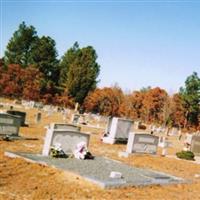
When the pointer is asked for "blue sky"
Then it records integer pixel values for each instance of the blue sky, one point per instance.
(139, 43)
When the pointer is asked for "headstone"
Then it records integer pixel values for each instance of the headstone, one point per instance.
(18, 113)
(76, 107)
(195, 145)
(75, 118)
(9, 124)
(117, 130)
(174, 132)
(64, 126)
(67, 138)
(142, 143)
(38, 117)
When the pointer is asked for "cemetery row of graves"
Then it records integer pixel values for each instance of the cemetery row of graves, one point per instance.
(67, 147)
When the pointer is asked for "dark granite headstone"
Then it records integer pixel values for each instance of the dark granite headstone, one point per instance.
(18, 113)
(9, 124)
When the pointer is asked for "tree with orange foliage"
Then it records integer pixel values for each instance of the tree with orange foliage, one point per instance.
(153, 105)
(104, 101)
(178, 111)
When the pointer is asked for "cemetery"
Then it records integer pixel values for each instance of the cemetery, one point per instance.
(143, 166)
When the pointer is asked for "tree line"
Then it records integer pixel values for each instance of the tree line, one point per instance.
(31, 70)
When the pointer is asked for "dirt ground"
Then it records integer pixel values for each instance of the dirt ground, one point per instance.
(22, 180)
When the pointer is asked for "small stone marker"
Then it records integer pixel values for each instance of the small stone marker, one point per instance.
(75, 118)
(117, 130)
(115, 174)
(142, 143)
(9, 124)
(38, 117)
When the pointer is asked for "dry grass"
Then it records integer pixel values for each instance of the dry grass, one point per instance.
(22, 180)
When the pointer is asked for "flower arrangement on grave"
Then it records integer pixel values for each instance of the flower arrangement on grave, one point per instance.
(187, 155)
(57, 152)
(81, 152)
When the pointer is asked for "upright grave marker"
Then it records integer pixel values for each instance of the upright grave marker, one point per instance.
(9, 124)
(64, 126)
(18, 113)
(117, 130)
(142, 143)
(68, 139)
(195, 145)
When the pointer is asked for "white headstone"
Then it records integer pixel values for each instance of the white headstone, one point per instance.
(67, 138)
(117, 129)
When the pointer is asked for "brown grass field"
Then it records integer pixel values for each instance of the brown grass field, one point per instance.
(22, 180)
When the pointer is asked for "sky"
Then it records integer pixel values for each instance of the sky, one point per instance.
(138, 43)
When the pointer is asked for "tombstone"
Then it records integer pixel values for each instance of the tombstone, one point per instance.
(67, 138)
(195, 145)
(9, 124)
(76, 107)
(18, 113)
(75, 118)
(174, 132)
(38, 117)
(142, 143)
(136, 125)
(117, 130)
(164, 144)
(64, 126)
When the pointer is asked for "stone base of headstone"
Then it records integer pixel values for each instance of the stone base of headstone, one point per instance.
(108, 140)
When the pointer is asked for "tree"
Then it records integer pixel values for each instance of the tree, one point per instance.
(154, 105)
(191, 99)
(177, 115)
(105, 101)
(20, 45)
(79, 71)
(43, 57)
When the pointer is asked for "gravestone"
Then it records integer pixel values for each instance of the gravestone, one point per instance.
(195, 145)
(18, 113)
(38, 117)
(9, 124)
(67, 138)
(142, 143)
(117, 130)
(64, 126)
(75, 118)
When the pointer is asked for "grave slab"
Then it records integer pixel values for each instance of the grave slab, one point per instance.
(98, 171)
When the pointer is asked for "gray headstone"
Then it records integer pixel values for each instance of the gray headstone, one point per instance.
(38, 117)
(67, 138)
(195, 145)
(18, 113)
(142, 143)
(75, 118)
(64, 126)
(9, 124)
